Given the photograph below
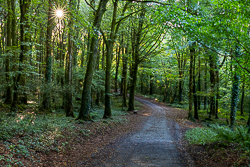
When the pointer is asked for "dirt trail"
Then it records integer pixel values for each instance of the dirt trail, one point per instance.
(152, 146)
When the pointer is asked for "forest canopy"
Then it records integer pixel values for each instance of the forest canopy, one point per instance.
(66, 63)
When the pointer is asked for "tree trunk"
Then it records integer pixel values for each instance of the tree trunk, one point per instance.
(180, 90)
(118, 50)
(48, 70)
(131, 105)
(109, 46)
(14, 46)
(8, 95)
(69, 69)
(165, 98)
(86, 93)
(196, 115)
(199, 84)
(212, 80)
(217, 92)
(151, 85)
(136, 37)
(190, 85)
(242, 98)
(124, 77)
(205, 87)
(235, 90)
(141, 83)
(97, 68)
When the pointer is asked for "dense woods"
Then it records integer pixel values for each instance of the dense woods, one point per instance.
(74, 55)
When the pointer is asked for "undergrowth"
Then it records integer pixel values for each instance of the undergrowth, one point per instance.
(27, 134)
(214, 133)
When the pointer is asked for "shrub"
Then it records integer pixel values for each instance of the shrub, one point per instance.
(218, 133)
(201, 136)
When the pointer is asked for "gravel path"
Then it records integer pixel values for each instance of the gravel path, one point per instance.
(152, 146)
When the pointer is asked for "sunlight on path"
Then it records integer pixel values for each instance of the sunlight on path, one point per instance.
(152, 146)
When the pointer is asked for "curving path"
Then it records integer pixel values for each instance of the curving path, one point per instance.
(152, 146)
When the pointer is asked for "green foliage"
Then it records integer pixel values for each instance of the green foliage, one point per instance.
(32, 133)
(215, 133)
(201, 136)
(30, 125)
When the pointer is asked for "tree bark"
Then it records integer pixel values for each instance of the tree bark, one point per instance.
(109, 46)
(117, 66)
(136, 37)
(199, 84)
(14, 46)
(212, 81)
(124, 76)
(8, 95)
(190, 85)
(196, 115)
(235, 90)
(217, 91)
(48, 70)
(242, 98)
(86, 93)
(151, 85)
(205, 87)
(69, 69)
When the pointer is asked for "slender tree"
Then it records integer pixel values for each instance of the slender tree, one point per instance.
(48, 70)
(235, 90)
(86, 93)
(8, 95)
(69, 67)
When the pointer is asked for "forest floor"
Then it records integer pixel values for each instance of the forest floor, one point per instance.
(151, 136)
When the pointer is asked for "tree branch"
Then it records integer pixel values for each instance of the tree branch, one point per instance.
(127, 16)
(237, 61)
(90, 5)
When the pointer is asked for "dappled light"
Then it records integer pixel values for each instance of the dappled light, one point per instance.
(86, 83)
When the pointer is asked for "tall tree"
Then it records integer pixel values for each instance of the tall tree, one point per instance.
(136, 39)
(69, 66)
(8, 95)
(235, 90)
(115, 25)
(48, 70)
(84, 112)
(190, 85)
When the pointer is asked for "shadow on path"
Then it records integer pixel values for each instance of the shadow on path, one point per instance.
(152, 146)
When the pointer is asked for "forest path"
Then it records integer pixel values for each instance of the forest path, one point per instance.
(152, 146)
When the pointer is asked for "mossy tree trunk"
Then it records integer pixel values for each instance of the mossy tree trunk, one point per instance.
(15, 59)
(212, 81)
(196, 115)
(115, 25)
(8, 95)
(48, 70)
(235, 90)
(199, 84)
(69, 68)
(205, 87)
(84, 112)
(190, 85)
(242, 97)
(136, 37)
(118, 50)
(124, 76)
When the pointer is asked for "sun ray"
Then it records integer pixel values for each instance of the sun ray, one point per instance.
(59, 12)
